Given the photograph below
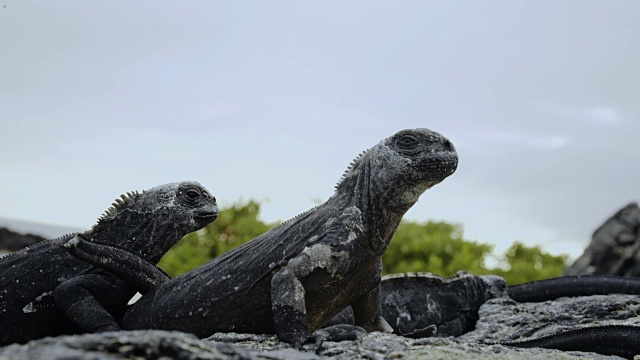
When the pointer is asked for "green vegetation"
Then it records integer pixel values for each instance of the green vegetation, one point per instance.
(234, 226)
(440, 248)
(436, 247)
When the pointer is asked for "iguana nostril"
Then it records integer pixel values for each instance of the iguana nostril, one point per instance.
(448, 146)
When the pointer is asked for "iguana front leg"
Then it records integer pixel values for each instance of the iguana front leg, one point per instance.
(366, 312)
(134, 270)
(76, 299)
(288, 293)
(287, 303)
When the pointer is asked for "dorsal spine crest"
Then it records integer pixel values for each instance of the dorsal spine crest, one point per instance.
(120, 202)
(350, 167)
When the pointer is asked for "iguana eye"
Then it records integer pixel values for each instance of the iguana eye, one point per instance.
(407, 142)
(192, 195)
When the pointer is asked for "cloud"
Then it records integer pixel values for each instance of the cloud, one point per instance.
(538, 141)
(601, 115)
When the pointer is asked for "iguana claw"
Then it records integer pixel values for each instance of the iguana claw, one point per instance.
(342, 332)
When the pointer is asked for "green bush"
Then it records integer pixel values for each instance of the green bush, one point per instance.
(525, 264)
(234, 226)
(436, 247)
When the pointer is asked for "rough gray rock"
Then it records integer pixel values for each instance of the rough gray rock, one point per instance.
(12, 241)
(158, 344)
(155, 344)
(504, 319)
(614, 247)
(500, 319)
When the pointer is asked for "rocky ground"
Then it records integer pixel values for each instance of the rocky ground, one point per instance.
(500, 319)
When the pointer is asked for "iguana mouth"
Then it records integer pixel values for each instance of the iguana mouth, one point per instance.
(209, 216)
(449, 165)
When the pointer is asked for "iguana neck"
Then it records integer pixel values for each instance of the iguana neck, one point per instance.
(134, 230)
(362, 189)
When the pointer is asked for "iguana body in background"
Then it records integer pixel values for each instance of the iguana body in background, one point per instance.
(418, 305)
(294, 278)
(44, 291)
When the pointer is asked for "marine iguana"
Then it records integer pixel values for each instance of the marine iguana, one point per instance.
(418, 305)
(294, 278)
(44, 291)
(619, 340)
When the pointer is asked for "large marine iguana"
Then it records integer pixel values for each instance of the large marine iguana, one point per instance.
(294, 278)
(45, 291)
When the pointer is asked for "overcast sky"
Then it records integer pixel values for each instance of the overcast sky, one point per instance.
(271, 100)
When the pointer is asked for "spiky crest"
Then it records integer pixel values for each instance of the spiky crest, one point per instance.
(350, 168)
(412, 275)
(427, 275)
(298, 216)
(119, 203)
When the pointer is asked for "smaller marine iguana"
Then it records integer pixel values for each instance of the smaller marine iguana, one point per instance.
(44, 291)
(294, 278)
(418, 305)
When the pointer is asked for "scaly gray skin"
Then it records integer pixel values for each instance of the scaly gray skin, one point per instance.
(418, 305)
(619, 340)
(45, 291)
(294, 278)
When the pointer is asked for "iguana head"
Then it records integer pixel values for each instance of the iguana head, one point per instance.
(400, 168)
(412, 162)
(385, 181)
(151, 222)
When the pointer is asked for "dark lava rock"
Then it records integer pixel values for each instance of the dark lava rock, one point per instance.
(504, 319)
(12, 241)
(614, 247)
(141, 344)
